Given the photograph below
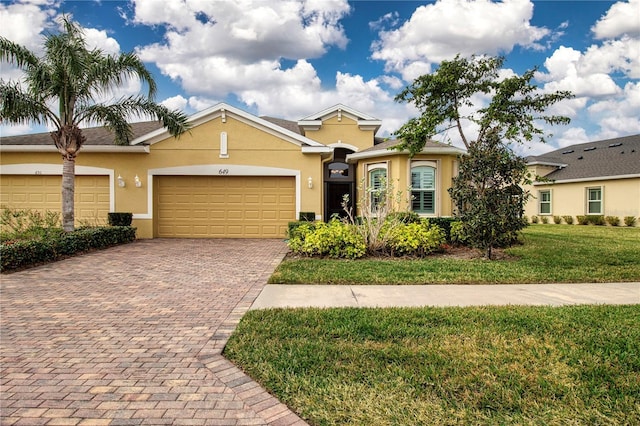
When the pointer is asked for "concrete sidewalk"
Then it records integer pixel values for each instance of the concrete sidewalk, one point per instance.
(324, 296)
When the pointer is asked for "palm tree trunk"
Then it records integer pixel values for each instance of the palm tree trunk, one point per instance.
(68, 190)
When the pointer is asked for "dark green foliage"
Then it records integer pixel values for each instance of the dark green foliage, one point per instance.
(444, 96)
(19, 254)
(629, 220)
(488, 195)
(568, 220)
(120, 219)
(293, 227)
(557, 220)
(404, 217)
(445, 224)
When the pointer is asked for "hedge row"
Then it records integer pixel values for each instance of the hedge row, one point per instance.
(21, 254)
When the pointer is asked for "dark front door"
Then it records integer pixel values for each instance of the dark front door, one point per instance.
(335, 196)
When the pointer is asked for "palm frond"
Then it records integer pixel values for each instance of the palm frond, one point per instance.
(19, 107)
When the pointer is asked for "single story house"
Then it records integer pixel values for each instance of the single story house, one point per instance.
(594, 178)
(233, 175)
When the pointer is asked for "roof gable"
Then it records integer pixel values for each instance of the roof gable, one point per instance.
(223, 111)
(364, 121)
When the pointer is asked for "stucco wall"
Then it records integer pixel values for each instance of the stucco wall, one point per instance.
(621, 197)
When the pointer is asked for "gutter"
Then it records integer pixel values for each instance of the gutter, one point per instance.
(590, 179)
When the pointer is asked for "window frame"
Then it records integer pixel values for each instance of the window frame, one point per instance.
(433, 190)
(541, 202)
(372, 168)
(589, 201)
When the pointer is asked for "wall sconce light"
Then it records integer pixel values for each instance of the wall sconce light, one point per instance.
(121, 182)
(137, 181)
(310, 182)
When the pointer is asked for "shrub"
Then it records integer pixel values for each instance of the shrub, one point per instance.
(545, 219)
(534, 219)
(568, 219)
(416, 239)
(294, 228)
(403, 217)
(120, 219)
(557, 220)
(596, 219)
(582, 220)
(613, 220)
(334, 239)
(18, 224)
(629, 220)
(445, 224)
(17, 254)
(457, 234)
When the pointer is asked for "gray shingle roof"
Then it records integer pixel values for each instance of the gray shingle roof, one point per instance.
(286, 124)
(606, 158)
(94, 135)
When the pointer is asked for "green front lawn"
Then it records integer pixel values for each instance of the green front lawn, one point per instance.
(550, 253)
(437, 366)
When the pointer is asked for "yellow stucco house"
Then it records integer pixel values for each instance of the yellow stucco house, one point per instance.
(595, 178)
(234, 175)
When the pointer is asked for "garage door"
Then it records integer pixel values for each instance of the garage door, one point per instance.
(224, 206)
(43, 192)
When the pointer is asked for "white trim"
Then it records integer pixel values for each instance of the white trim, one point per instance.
(387, 151)
(587, 200)
(216, 170)
(316, 149)
(550, 191)
(434, 164)
(591, 179)
(56, 170)
(547, 163)
(116, 149)
(341, 144)
(333, 110)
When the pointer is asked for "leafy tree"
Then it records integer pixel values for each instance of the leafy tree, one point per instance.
(488, 194)
(515, 109)
(487, 190)
(62, 89)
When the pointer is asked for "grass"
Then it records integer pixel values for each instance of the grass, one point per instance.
(550, 253)
(488, 365)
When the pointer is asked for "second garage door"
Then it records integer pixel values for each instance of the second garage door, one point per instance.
(224, 206)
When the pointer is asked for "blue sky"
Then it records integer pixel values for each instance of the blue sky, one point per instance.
(289, 59)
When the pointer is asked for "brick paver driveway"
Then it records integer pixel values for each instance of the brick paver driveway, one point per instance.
(133, 335)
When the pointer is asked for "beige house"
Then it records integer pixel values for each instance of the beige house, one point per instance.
(594, 178)
(234, 175)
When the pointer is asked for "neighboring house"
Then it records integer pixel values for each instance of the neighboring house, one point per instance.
(594, 178)
(234, 175)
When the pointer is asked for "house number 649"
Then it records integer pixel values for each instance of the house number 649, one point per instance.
(223, 172)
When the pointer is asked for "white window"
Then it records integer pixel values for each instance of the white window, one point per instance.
(544, 200)
(594, 200)
(423, 189)
(376, 184)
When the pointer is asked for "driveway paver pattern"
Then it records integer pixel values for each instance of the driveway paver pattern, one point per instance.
(133, 335)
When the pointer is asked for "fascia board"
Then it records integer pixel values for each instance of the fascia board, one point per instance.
(373, 154)
(316, 149)
(590, 179)
(115, 149)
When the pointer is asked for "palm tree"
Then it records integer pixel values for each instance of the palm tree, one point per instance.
(71, 78)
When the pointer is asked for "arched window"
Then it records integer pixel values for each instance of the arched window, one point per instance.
(423, 189)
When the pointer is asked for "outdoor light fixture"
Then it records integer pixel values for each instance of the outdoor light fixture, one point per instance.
(137, 181)
(310, 182)
(121, 182)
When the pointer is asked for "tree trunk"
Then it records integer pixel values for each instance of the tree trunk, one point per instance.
(68, 190)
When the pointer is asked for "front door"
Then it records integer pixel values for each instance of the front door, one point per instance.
(335, 194)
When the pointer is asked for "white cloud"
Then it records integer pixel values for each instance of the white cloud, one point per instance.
(618, 116)
(216, 48)
(439, 31)
(23, 22)
(623, 18)
(98, 39)
(568, 69)
(178, 102)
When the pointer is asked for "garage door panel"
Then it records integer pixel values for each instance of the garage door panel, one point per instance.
(43, 193)
(235, 206)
